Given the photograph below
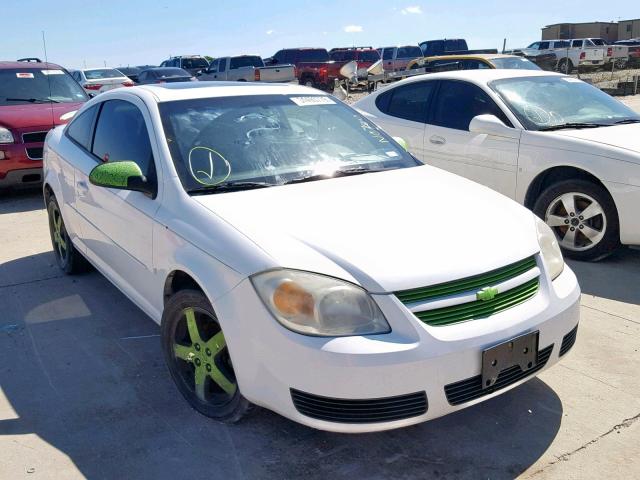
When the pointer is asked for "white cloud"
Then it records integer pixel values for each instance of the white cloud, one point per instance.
(414, 10)
(353, 28)
(269, 32)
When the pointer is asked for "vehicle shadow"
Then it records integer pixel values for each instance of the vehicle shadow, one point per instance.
(617, 277)
(82, 369)
(22, 200)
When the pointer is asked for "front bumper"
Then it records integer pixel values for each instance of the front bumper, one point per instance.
(272, 362)
(16, 168)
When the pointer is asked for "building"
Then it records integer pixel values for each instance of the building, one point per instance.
(628, 29)
(605, 30)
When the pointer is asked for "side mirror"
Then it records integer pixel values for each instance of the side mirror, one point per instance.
(492, 125)
(122, 176)
(402, 142)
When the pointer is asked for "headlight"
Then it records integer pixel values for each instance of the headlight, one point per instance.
(313, 304)
(550, 249)
(5, 136)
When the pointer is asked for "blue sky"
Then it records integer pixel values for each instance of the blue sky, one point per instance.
(148, 31)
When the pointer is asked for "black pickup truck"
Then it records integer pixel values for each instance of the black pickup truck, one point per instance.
(449, 46)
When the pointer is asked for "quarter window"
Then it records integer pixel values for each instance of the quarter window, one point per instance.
(222, 66)
(81, 127)
(387, 54)
(408, 102)
(121, 135)
(458, 102)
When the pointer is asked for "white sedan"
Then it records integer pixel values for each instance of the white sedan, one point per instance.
(559, 146)
(298, 258)
(100, 80)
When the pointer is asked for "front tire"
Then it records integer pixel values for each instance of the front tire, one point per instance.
(67, 256)
(583, 216)
(198, 359)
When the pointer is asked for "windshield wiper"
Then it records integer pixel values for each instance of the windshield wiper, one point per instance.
(229, 187)
(572, 125)
(627, 120)
(338, 173)
(33, 100)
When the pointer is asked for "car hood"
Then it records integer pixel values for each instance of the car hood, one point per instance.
(624, 137)
(35, 115)
(387, 231)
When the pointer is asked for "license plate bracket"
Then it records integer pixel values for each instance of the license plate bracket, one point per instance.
(521, 350)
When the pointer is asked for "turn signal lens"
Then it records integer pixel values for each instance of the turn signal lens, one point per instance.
(291, 299)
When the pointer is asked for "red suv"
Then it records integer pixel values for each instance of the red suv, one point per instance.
(34, 98)
(364, 56)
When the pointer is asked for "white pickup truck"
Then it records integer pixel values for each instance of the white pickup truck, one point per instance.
(571, 54)
(247, 68)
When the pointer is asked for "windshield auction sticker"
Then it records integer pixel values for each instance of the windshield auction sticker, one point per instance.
(307, 101)
(24, 75)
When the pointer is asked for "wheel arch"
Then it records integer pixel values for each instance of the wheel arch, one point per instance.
(557, 174)
(180, 280)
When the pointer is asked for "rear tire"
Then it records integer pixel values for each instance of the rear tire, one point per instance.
(565, 66)
(583, 216)
(198, 359)
(67, 256)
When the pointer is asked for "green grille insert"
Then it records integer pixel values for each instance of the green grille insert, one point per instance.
(479, 308)
(470, 283)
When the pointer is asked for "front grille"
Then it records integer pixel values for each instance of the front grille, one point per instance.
(371, 410)
(474, 309)
(568, 340)
(471, 388)
(34, 137)
(34, 153)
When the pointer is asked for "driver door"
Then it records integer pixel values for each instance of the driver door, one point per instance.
(118, 224)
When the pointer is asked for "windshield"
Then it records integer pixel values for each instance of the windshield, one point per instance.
(543, 102)
(194, 63)
(272, 139)
(102, 73)
(23, 86)
(516, 63)
(248, 61)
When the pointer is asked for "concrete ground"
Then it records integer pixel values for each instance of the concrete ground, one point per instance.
(84, 393)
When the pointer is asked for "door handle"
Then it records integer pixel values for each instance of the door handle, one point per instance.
(437, 140)
(82, 188)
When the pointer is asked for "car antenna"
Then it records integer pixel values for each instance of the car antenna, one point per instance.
(46, 62)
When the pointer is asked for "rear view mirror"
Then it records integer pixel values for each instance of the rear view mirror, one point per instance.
(492, 125)
(122, 176)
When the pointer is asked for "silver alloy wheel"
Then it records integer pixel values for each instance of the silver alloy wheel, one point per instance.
(578, 221)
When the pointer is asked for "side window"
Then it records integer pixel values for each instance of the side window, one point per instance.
(121, 135)
(213, 68)
(222, 66)
(142, 77)
(408, 102)
(387, 54)
(458, 102)
(544, 45)
(535, 46)
(475, 65)
(279, 57)
(576, 44)
(81, 128)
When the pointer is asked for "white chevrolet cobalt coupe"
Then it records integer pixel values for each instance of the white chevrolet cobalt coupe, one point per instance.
(296, 257)
(556, 144)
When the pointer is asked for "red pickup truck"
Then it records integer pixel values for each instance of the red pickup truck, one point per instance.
(34, 98)
(314, 67)
(363, 56)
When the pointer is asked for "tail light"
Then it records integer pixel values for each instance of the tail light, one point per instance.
(323, 72)
(127, 83)
(256, 74)
(609, 51)
(583, 55)
(93, 86)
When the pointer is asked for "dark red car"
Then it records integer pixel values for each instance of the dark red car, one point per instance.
(34, 98)
(364, 56)
(314, 67)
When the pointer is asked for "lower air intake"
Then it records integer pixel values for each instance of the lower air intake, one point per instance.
(568, 340)
(371, 410)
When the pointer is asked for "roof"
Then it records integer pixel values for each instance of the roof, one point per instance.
(167, 92)
(580, 23)
(471, 56)
(483, 75)
(28, 65)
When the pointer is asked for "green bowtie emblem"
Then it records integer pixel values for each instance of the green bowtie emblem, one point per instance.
(487, 293)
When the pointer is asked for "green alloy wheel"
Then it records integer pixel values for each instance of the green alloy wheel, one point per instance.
(67, 257)
(198, 357)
